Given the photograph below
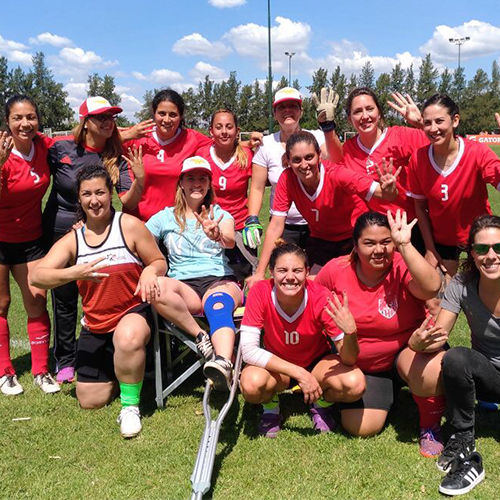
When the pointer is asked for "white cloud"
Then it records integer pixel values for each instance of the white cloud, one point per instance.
(160, 76)
(15, 51)
(484, 40)
(203, 69)
(222, 4)
(78, 63)
(183, 87)
(196, 44)
(50, 39)
(130, 105)
(250, 40)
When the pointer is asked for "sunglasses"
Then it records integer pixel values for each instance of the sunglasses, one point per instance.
(104, 117)
(484, 248)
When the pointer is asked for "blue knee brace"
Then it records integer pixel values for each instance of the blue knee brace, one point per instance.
(222, 316)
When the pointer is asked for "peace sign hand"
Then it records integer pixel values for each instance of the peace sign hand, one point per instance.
(400, 229)
(405, 106)
(208, 223)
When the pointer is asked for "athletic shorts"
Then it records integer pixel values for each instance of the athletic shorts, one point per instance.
(322, 251)
(309, 368)
(296, 233)
(381, 390)
(238, 263)
(202, 284)
(95, 351)
(20, 253)
(448, 252)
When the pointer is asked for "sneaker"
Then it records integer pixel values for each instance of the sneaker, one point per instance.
(130, 421)
(66, 375)
(10, 386)
(431, 442)
(47, 383)
(204, 345)
(270, 424)
(465, 473)
(322, 419)
(220, 372)
(458, 444)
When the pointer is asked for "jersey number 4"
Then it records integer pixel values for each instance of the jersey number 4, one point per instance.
(161, 155)
(292, 338)
(444, 192)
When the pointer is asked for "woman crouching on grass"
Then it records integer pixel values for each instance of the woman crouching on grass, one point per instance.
(296, 350)
(387, 291)
(116, 264)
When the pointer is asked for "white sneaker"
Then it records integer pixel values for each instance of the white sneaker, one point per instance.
(10, 386)
(220, 372)
(130, 421)
(46, 383)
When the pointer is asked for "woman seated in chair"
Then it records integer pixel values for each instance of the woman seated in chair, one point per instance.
(116, 264)
(195, 233)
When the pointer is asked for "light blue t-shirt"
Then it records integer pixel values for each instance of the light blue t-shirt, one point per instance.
(190, 253)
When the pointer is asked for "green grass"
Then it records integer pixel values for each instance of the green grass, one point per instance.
(66, 453)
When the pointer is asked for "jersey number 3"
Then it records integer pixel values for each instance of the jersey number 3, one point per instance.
(444, 192)
(292, 338)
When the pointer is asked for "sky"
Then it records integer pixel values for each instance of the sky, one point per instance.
(146, 44)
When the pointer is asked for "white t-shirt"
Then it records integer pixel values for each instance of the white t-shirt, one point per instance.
(269, 156)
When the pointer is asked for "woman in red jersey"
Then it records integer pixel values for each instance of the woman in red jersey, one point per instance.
(387, 290)
(24, 179)
(448, 182)
(116, 264)
(291, 310)
(231, 165)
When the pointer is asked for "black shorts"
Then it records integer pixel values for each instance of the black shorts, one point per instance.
(20, 253)
(95, 351)
(448, 252)
(322, 251)
(381, 390)
(417, 240)
(296, 233)
(203, 283)
(309, 368)
(239, 263)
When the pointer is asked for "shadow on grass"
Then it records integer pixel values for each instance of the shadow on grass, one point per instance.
(22, 364)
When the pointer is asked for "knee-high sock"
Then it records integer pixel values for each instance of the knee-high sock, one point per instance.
(6, 367)
(39, 335)
(430, 409)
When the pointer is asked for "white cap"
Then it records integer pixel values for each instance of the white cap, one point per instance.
(196, 163)
(287, 94)
(96, 106)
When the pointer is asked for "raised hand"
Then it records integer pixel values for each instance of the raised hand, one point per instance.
(341, 314)
(325, 108)
(497, 118)
(425, 337)
(134, 160)
(137, 131)
(6, 145)
(387, 178)
(405, 106)
(208, 223)
(400, 229)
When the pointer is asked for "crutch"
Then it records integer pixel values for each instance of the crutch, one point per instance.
(203, 467)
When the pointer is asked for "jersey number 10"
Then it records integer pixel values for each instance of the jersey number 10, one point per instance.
(292, 338)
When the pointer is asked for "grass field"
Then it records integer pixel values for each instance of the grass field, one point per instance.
(65, 453)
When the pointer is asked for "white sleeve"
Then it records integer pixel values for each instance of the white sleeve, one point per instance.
(251, 351)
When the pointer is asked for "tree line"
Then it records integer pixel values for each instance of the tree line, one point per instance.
(478, 97)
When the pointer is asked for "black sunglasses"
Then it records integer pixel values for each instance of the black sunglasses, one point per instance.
(484, 248)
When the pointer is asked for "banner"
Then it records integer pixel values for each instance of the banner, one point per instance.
(485, 138)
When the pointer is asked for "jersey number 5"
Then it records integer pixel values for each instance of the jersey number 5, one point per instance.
(444, 192)
(292, 338)
(35, 175)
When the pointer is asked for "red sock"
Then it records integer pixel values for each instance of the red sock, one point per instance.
(430, 409)
(39, 335)
(6, 367)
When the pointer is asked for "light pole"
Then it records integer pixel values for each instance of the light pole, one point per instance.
(459, 42)
(289, 55)
(270, 76)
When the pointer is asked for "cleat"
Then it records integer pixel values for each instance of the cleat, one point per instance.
(130, 421)
(46, 383)
(10, 386)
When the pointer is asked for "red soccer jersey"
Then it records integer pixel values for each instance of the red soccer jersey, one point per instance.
(332, 210)
(163, 164)
(24, 181)
(230, 181)
(298, 339)
(458, 195)
(386, 315)
(397, 143)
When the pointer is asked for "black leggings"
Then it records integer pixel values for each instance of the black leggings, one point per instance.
(468, 375)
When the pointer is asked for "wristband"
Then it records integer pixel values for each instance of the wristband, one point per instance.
(252, 219)
(328, 126)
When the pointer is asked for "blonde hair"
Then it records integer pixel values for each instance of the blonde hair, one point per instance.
(111, 153)
(241, 154)
(180, 205)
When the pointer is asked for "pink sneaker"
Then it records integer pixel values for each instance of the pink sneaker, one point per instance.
(66, 375)
(322, 419)
(270, 424)
(431, 442)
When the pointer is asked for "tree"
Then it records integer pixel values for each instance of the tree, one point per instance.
(398, 79)
(319, 80)
(4, 76)
(338, 83)
(458, 84)
(244, 111)
(383, 91)
(410, 83)
(146, 111)
(445, 82)
(103, 87)
(367, 76)
(495, 80)
(48, 94)
(427, 81)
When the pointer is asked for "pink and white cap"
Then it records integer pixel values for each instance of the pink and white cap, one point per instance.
(196, 163)
(96, 106)
(287, 94)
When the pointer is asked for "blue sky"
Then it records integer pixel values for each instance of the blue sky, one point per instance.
(152, 43)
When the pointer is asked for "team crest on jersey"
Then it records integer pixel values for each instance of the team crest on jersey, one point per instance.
(369, 166)
(388, 306)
